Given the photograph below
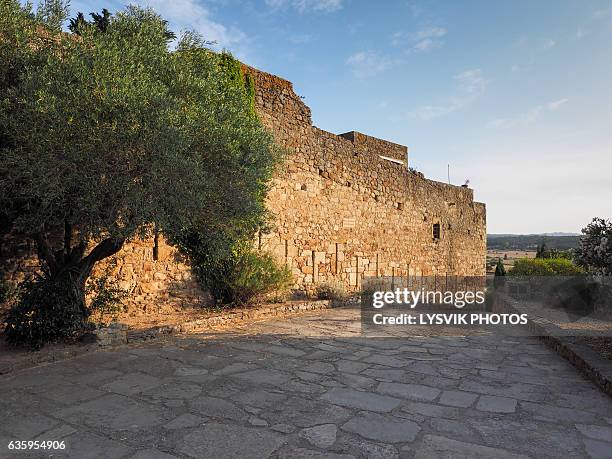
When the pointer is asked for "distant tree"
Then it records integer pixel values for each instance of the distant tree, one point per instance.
(101, 21)
(500, 269)
(542, 251)
(595, 250)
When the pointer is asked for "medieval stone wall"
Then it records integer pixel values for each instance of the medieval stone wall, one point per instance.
(342, 212)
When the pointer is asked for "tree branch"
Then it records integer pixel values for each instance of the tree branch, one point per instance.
(104, 249)
(45, 252)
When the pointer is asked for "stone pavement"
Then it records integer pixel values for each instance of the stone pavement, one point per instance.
(310, 387)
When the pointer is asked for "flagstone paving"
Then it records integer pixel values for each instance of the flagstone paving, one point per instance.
(310, 387)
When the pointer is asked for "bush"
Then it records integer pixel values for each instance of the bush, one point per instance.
(45, 310)
(5, 291)
(331, 291)
(242, 276)
(595, 250)
(545, 267)
(106, 299)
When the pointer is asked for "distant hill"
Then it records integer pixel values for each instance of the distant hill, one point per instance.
(560, 241)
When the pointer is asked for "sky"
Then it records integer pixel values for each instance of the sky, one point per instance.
(515, 97)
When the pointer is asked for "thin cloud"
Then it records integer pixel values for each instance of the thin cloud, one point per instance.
(470, 85)
(529, 117)
(365, 64)
(191, 15)
(303, 6)
(423, 40)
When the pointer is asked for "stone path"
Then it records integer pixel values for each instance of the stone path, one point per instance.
(311, 387)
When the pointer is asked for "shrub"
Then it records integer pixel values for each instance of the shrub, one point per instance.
(545, 267)
(5, 291)
(45, 310)
(595, 250)
(242, 276)
(500, 269)
(331, 291)
(106, 299)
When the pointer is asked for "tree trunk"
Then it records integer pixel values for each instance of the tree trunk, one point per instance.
(70, 265)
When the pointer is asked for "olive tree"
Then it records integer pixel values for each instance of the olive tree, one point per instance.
(107, 134)
(595, 250)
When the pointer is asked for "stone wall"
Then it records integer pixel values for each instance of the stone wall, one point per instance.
(342, 211)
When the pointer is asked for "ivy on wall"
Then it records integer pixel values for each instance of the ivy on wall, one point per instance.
(233, 69)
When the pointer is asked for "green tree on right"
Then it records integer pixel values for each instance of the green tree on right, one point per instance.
(594, 253)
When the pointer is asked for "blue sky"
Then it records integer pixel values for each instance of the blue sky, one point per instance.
(515, 96)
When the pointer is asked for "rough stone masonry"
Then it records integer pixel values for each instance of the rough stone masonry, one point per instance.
(346, 206)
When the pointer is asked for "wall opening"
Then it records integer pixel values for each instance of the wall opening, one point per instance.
(436, 231)
(156, 245)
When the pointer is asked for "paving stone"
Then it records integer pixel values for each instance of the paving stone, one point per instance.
(285, 350)
(257, 422)
(259, 398)
(152, 454)
(234, 368)
(303, 412)
(349, 366)
(320, 367)
(362, 400)
(175, 390)
(385, 360)
(457, 398)
(57, 433)
(432, 410)
(355, 381)
(217, 408)
(190, 371)
(367, 449)
(223, 440)
(132, 383)
(303, 453)
(115, 412)
(322, 436)
(597, 449)
(558, 414)
(455, 428)
(496, 404)
(387, 374)
(411, 391)
(27, 426)
(596, 432)
(264, 376)
(380, 428)
(87, 445)
(284, 428)
(442, 447)
(183, 421)
(528, 436)
(423, 368)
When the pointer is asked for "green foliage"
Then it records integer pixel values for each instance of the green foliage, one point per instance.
(104, 137)
(545, 267)
(542, 251)
(45, 310)
(595, 250)
(242, 276)
(331, 291)
(52, 13)
(500, 269)
(5, 291)
(106, 299)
